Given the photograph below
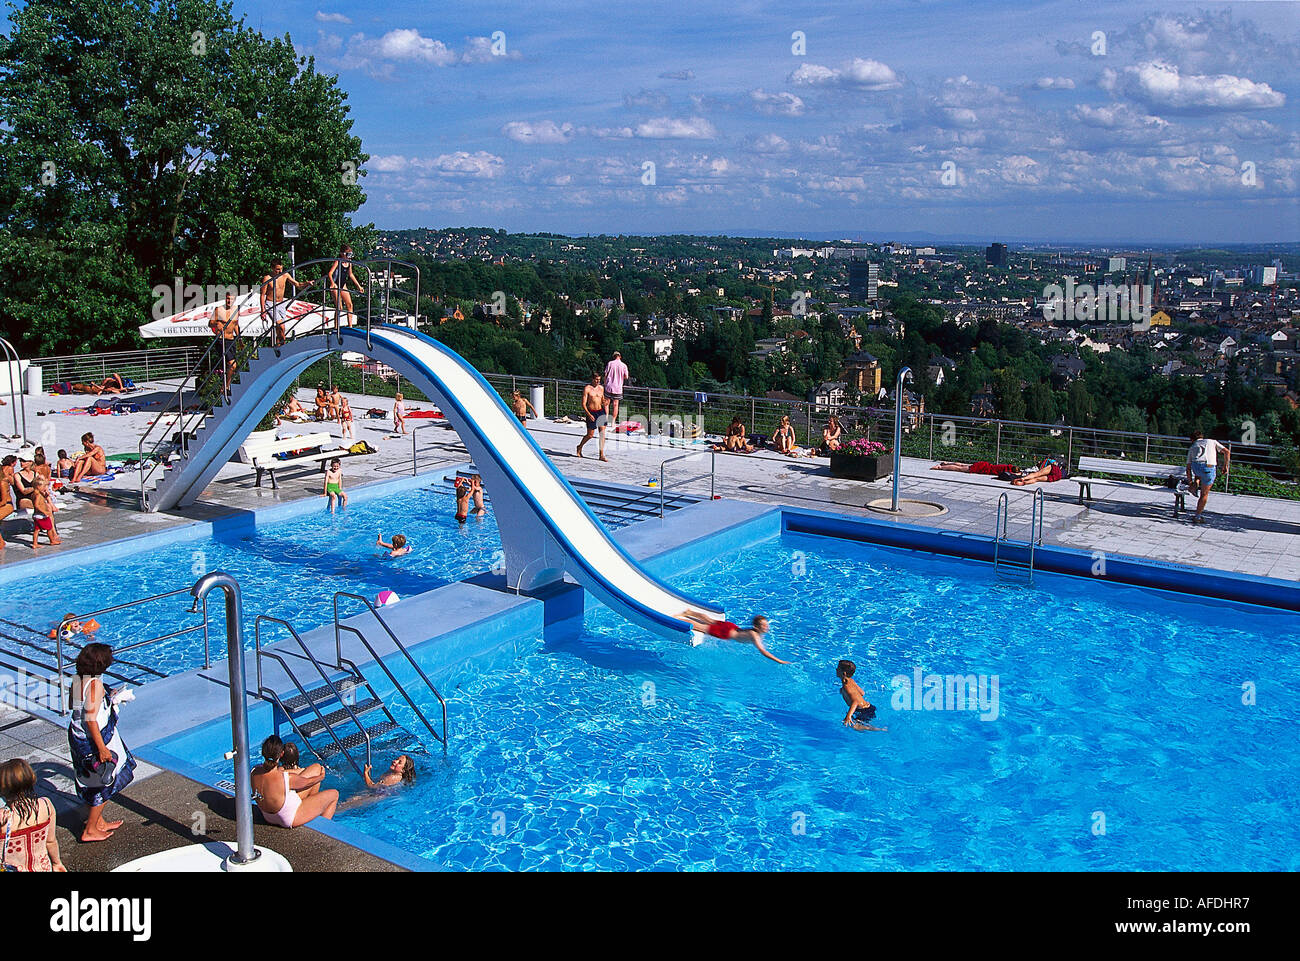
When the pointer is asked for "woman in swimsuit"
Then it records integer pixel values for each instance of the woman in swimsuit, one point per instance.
(783, 439)
(6, 481)
(831, 435)
(322, 403)
(281, 800)
(736, 442)
(28, 821)
(334, 485)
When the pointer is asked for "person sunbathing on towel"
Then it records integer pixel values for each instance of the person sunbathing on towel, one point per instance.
(783, 441)
(979, 467)
(92, 462)
(727, 631)
(1047, 471)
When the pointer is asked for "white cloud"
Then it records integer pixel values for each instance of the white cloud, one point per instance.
(400, 45)
(785, 103)
(676, 128)
(332, 17)
(388, 164)
(677, 75)
(769, 143)
(478, 165)
(1160, 84)
(543, 131)
(861, 73)
(1054, 83)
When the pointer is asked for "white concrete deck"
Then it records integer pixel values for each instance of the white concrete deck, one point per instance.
(1249, 535)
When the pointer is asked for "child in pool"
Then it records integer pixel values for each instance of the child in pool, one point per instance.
(396, 549)
(462, 499)
(334, 485)
(861, 711)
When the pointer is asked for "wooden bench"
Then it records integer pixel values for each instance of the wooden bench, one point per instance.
(260, 449)
(1127, 468)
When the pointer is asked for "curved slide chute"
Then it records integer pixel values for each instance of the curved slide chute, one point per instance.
(546, 528)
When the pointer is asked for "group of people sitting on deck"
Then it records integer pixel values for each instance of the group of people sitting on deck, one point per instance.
(290, 795)
(28, 483)
(738, 440)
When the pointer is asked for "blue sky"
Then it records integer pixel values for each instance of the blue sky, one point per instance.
(1179, 124)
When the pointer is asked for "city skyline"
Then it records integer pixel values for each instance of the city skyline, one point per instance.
(1165, 123)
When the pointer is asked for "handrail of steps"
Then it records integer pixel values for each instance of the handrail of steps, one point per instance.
(274, 335)
(338, 627)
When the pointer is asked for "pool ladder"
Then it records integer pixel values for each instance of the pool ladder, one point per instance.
(1001, 536)
(343, 713)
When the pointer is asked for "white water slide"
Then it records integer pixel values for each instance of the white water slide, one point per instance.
(546, 529)
(591, 556)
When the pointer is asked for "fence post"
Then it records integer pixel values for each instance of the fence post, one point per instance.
(146, 365)
(752, 426)
(808, 410)
(931, 437)
(997, 455)
(1069, 447)
(1146, 449)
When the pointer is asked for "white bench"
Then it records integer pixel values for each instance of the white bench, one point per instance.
(1127, 468)
(260, 449)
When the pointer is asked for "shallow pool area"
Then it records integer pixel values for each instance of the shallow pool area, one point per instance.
(289, 568)
(1120, 728)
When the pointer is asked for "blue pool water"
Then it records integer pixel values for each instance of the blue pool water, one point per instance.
(617, 749)
(289, 569)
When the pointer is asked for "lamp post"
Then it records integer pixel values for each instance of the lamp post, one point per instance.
(290, 234)
(904, 374)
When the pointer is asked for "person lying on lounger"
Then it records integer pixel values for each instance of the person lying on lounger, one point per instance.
(1047, 471)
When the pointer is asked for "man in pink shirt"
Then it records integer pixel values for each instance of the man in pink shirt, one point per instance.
(615, 375)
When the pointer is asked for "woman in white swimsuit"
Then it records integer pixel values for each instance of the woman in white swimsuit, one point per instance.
(280, 799)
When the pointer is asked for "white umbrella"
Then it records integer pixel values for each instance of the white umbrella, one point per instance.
(195, 322)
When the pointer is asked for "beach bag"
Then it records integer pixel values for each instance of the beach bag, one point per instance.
(100, 774)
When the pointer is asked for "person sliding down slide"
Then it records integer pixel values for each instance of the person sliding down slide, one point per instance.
(725, 630)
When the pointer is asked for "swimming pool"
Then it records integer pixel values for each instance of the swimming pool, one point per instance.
(288, 568)
(1118, 738)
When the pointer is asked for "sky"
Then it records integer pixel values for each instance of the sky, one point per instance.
(1071, 121)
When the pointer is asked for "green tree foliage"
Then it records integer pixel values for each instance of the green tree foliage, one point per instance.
(142, 140)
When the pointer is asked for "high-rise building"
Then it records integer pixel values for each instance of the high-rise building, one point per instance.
(1116, 265)
(995, 255)
(864, 280)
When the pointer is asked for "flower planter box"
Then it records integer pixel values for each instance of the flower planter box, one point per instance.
(871, 468)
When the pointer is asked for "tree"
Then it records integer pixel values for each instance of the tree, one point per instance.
(147, 140)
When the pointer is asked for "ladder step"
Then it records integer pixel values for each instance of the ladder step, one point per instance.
(319, 695)
(355, 739)
(314, 726)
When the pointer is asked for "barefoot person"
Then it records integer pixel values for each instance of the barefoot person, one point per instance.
(1047, 471)
(337, 279)
(861, 711)
(290, 800)
(615, 377)
(593, 412)
(6, 483)
(727, 631)
(225, 327)
(334, 485)
(1202, 466)
(91, 462)
(101, 762)
(43, 514)
(274, 300)
(521, 405)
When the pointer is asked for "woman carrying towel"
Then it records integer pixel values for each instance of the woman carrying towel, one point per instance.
(95, 742)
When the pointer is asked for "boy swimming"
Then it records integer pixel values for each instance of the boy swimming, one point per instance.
(398, 548)
(861, 711)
